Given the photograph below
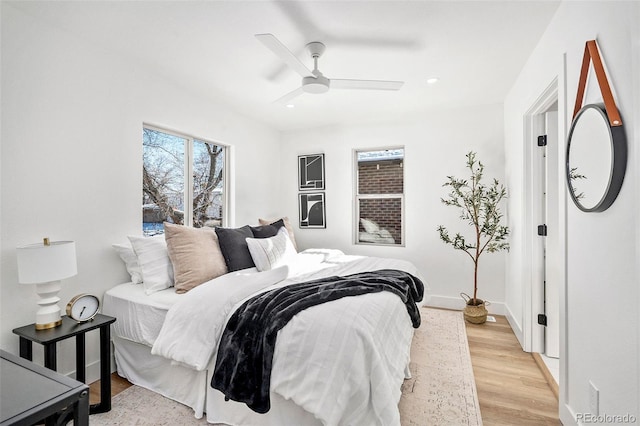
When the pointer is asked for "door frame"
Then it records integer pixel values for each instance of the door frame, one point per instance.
(553, 255)
(533, 286)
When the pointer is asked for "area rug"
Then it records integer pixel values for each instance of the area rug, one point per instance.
(441, 390)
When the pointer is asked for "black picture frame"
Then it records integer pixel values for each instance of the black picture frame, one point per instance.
(311, 210)
(311, 172)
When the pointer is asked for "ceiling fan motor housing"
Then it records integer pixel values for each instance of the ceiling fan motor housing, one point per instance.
(317, 84)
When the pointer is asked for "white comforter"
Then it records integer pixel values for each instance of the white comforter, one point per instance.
(342, 361)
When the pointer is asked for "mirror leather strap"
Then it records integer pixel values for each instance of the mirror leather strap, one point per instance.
(591, 54)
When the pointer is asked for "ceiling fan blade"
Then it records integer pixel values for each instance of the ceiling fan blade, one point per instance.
(284, 54)
(366, 84)
(286, 98)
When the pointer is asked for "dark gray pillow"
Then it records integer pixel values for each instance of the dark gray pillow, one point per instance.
(233, 245)
(267, 231)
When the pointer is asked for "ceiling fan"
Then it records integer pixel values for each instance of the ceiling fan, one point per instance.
(314, 81)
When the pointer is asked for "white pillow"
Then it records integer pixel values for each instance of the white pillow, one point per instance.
(269, 253)
(370, 226)
(287, 224)
(153, 258)
(128, 256)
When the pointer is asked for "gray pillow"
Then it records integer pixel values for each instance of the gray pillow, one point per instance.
(233, 245)
(267, 231)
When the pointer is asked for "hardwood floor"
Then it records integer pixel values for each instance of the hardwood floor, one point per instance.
(118, 384)
(511, 388)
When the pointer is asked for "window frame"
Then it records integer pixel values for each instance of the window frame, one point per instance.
(357, 197)
(188, 171)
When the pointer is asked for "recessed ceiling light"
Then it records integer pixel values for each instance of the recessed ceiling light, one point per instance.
(433, 80)
(291, 106)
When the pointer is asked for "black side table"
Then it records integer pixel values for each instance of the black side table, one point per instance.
(30, 393)
(70, 328)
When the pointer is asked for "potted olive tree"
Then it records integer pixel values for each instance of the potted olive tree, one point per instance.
(479, 207)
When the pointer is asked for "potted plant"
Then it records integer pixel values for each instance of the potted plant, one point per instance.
(479, 207)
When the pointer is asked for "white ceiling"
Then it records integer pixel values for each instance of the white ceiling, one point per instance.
(476, 48)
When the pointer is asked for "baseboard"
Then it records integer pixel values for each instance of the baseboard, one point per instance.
(547, 374)
(456, 303)
(515, 326)
(567, 416)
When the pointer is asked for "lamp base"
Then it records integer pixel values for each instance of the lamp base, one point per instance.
(48, 316)
(49, 325)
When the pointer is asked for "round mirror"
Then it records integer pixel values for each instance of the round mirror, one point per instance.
(596, 159)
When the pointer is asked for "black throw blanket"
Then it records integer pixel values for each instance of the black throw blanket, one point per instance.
(243, 365)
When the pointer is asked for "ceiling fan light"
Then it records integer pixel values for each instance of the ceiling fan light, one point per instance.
(315, 88)
(315, 85)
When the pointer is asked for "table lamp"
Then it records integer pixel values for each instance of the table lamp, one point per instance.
(45, 264)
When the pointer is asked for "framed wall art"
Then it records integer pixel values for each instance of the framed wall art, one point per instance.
(311, 210)
(311, 172)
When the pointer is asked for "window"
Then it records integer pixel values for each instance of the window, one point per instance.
(380, 196)
(183, 181)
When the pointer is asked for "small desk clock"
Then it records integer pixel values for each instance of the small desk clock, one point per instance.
(83, 307)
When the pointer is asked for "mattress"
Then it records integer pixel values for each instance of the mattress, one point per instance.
(144, 313)
(141, 315)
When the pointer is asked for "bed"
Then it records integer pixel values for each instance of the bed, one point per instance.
(338, 363)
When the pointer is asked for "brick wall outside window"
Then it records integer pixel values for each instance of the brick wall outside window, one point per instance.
(382, 177)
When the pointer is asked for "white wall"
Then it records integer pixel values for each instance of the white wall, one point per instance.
(600, 326)
(435, 146)
(71, 158)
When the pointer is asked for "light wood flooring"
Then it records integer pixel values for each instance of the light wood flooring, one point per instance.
(511, 388)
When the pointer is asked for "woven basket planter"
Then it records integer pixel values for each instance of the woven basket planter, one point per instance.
(475, 313)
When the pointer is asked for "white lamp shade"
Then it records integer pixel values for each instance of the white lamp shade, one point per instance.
(40, 263)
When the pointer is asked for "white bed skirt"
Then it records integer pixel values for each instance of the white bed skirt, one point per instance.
(190, 387)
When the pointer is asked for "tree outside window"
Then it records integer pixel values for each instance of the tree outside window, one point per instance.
(182, 181)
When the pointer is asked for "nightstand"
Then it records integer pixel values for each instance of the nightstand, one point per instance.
(30, 393)
(70, 328)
